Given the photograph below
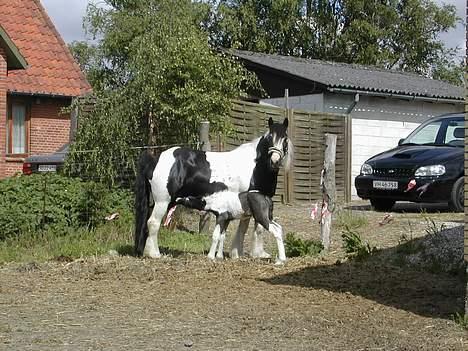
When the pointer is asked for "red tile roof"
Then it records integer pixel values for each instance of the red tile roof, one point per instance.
(51, 68)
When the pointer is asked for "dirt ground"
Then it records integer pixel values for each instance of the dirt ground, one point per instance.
(189, 303)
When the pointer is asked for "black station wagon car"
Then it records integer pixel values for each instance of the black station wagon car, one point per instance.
(46, 163)
(427, 166)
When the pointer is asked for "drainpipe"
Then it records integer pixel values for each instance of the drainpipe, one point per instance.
(353, 104)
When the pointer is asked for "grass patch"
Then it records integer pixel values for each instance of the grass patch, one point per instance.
(296, 247)
(69, 243)
(72, 243)
(177, 242)
(350, 219)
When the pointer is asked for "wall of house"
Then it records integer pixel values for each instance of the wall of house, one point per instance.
(310, 102)
(48, 129)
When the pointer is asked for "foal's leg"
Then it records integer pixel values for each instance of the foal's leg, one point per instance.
(238, 241)
(214, 241)
(223, 228)
(277, 232)
(154, 223)
(257, 243)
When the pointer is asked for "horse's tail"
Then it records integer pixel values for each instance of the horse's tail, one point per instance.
(146, 166)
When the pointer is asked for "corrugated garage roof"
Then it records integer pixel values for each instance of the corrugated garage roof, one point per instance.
(356, 77)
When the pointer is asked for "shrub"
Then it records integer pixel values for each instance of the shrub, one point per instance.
(296, 247)
(354, 246)
(52, 201)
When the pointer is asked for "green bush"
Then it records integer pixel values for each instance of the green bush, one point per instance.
(296, 247)
(354, 246)
(51, 201)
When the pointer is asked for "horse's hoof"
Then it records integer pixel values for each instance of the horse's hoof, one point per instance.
(152, 254)
(279, 262)
(262, 254)
(211, 257)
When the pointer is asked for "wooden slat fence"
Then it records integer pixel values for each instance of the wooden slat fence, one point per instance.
(307, 130)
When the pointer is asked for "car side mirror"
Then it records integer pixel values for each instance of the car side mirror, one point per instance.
(401, 141)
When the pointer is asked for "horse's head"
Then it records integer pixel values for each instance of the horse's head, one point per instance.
(278, 145)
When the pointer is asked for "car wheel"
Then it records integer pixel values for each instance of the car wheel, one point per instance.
(457, 196)
(382, 204)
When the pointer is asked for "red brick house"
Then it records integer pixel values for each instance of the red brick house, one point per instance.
(38, 77)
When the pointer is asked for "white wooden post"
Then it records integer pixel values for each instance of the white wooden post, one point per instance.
(204, 223)
(328, 189)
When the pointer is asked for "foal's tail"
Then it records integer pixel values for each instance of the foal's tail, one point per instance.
(146, 166)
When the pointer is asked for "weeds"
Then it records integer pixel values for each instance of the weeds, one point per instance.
(432, 229)
(406, 243)
(354, 246)
(296, 247)
(461, 319)
(350, 219)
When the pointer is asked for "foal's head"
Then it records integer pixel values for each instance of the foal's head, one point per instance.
(278, 145)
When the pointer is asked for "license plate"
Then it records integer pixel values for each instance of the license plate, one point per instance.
(47, 168)
(385, 185)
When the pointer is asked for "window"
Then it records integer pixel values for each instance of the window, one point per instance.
(455, 133)
(17, 129)
(424, 135)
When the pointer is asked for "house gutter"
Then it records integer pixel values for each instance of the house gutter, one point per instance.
(40, 95)
(397, 96)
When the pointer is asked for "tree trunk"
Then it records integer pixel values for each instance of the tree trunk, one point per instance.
(328, 189)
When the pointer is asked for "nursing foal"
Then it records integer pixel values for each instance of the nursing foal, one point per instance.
(229, 205)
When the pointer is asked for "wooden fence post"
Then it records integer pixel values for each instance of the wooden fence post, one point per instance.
(328, 189)
(205, 145)
(289, 175)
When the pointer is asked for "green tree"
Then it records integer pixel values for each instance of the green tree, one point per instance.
(158, 78)
(87, 57)
(395, 34)
(449, 70)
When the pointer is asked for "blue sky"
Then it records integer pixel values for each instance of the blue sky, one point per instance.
(67, 16)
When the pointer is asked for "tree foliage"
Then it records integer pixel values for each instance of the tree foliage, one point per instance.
(395, 34)
(155, 77)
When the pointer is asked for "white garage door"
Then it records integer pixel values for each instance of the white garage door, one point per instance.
(371, 137)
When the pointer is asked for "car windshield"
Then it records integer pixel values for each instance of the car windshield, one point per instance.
(445, 132)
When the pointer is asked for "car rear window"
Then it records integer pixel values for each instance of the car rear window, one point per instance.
(454, 133)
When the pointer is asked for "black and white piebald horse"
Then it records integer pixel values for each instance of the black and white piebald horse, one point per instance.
(181, 172)
(228, 205)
